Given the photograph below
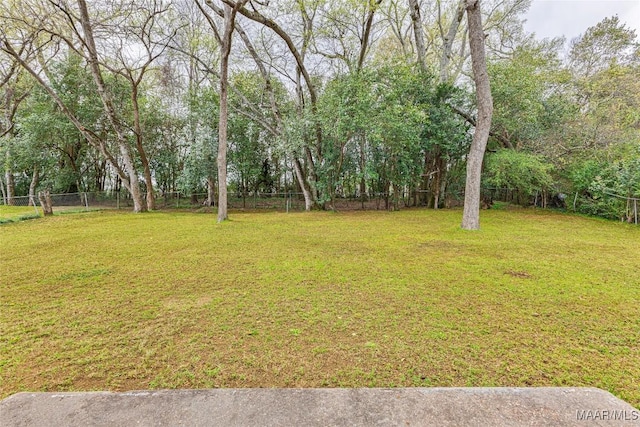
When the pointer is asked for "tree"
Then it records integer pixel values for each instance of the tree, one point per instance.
(471, 213)
(12, 93)
(229, 11)
(107, 100)
(25, 54)
(607, 42)
(599, 148)
(524, 88)
(71, 28)
(308, 182)
(51, 148)
(134, 71)
(526, 173)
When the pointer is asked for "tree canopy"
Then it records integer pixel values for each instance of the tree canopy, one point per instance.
(328, 99)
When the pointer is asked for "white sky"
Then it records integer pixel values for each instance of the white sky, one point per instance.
(553, 18)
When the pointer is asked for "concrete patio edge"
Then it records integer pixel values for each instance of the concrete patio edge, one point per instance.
(323, 407)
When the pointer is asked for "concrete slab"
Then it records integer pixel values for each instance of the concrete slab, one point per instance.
(323, 407)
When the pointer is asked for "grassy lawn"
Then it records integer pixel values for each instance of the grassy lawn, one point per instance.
(113, 300)
(17, 213)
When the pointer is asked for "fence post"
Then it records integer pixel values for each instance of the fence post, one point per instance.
(635, 209)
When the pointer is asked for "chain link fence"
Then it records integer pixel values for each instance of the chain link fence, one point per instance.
(292, 201)
(83, 200)
(286, 201)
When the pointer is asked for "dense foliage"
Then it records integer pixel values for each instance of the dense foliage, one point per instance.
(340, 106)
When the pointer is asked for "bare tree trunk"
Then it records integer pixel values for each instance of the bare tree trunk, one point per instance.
(134, 184)
(308, 200)
(151, 199)
(211, 191)
(45, 202)
(363, 182)
(32, 187)
(11, 185)
(90, 136)
(439, 165)
(448, 42)
(416, 20)
(225, 49)
(3, 190)
(222, 148)
(125, 151)
(364, 44)
(471, 213)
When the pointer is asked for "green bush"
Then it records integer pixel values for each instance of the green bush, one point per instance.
(602, 185)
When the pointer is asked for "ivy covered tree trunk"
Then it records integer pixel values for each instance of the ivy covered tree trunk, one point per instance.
(471, 212)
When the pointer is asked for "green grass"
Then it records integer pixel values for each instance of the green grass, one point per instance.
(118, 301)
(17, 213)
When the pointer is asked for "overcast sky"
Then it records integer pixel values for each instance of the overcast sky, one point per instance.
(553, 18)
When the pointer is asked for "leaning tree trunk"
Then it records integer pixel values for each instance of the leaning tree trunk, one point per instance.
(471, 213)
(134, 185)
(109, 108)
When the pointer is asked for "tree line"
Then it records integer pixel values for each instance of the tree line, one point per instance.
(326, 98)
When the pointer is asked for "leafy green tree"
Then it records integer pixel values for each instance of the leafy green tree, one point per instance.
(446, 142)
(524, 87)
(385, 127)
(603, 137)
(525, 173)
(201, 135)
(606, 43)
(43, 128)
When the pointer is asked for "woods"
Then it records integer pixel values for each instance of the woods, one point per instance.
(330, 99)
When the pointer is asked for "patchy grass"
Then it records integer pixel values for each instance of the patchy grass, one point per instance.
(119, 301)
